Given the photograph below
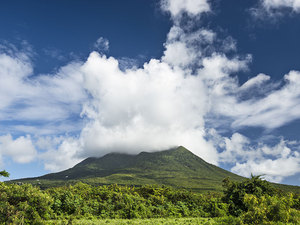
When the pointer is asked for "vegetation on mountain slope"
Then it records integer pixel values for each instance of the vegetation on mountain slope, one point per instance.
(178, 168)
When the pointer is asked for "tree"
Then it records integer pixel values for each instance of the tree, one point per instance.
(4, 173)
(235, 192)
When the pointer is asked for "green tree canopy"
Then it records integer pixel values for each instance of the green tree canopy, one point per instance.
(235, 192)
(4, 173)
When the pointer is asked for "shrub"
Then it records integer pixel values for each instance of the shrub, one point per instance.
(235, 192)
(269, 209)
(23, 204)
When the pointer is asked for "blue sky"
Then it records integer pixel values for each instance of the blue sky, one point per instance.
(85, 78)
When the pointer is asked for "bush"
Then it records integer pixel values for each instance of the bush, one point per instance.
(235, 192)
(269, 209)
(24, 204)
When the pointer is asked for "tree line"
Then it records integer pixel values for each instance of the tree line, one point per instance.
(253, 201)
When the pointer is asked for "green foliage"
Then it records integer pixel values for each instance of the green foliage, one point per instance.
(296, 201)
(3, 173)
(269, 208)
(260, 204)
(235, 192)
(230, 220)
(130, 202)
(255, 201)
(21, 204)
(177, 168)
(152, 221)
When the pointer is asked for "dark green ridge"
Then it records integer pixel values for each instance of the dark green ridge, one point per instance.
(177, 167)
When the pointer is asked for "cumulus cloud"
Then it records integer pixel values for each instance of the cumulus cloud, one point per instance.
(272, 170)
(273, 162)
(191, 7)
(21, 149)
(284, 165)
(155, 107)
(278, 4)
(186, 49)
(61, 153)
(151, 108)
(179, 99)
(155, 104)
(273, 9)
(162, 105)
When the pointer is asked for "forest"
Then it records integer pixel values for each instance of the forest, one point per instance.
(253, 201)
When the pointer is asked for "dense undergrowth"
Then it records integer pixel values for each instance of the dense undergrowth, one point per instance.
(249, 202)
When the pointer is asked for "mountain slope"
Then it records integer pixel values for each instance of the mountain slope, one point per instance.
(176, 167)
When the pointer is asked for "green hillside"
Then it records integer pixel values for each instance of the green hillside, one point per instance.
(176, 167)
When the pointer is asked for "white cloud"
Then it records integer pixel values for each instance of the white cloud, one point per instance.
(143, 109)
(255, 81)
(152, 108)
(274, 9)
(191, 7)
(21, 149)
(177, 53)
(278, 4)
(12, 72)
(274, 170)
(163, 104)
(47, 99)
(61, 153)
(102, 44)
(160, 105)
(274, 162)
(276, 109)
(180, 47)
(217, 68)
(236, 148)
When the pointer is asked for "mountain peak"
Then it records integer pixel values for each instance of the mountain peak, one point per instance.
(176, 167)
(181, 149)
